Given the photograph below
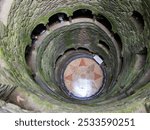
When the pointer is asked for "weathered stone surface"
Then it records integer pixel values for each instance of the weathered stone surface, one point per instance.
(18, 19)
(5, 10)
(9, 108)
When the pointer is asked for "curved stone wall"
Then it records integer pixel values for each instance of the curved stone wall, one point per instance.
(118, 30)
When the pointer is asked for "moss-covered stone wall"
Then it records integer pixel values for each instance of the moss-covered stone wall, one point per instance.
(16, 25)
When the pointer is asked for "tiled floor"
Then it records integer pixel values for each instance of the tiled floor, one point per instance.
(83, 77)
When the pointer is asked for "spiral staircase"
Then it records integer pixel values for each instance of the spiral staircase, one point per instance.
(74, 56)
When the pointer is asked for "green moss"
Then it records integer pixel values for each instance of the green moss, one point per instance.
(1, 53)
(85, 6)
(44, 19)
(23, 20)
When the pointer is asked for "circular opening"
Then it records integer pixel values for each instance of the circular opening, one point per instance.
(83, 77)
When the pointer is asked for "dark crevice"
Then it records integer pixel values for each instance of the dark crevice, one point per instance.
(83, 49)
(121, 66)
(66, 51)
(27, 52)
(69, 50)
(139, 21)
(103, 20)
(143, 51)
(59, 57)
(118, 40)
(104, 44)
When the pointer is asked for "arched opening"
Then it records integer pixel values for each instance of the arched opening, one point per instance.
(57, 18)
(82, 13)
(39, 29)
(103, 20)
(139, 21)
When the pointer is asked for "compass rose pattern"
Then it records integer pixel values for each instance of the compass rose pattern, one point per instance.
(83, 77)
